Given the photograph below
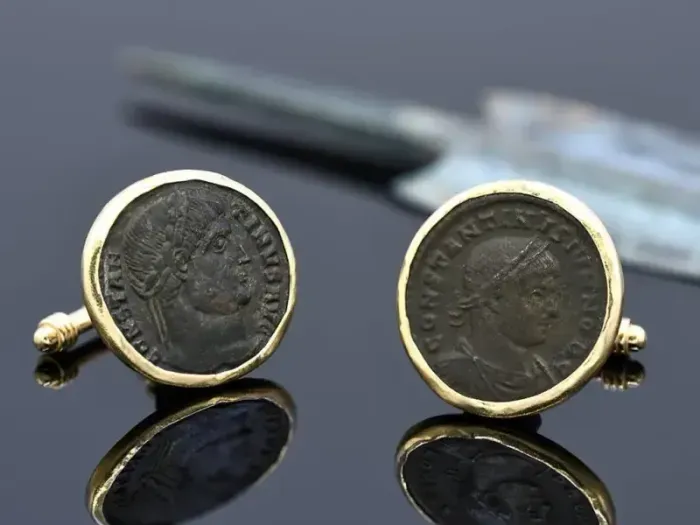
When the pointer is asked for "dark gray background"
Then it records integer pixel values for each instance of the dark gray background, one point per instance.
(66, 150)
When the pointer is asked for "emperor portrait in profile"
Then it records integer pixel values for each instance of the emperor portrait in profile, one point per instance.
(504, 312)
(184, 257)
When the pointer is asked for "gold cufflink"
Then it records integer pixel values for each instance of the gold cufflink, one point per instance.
(463, 469)
(510, 299)
(188, 277)
(196, 453)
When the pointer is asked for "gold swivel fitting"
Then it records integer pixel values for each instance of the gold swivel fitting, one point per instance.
(630, 338)
(60, 331)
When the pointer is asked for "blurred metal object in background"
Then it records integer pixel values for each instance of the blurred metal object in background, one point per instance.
(334, 118)
(641, 179)
(661, 158)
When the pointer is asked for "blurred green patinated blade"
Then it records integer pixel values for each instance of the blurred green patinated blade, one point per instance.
(653, 217)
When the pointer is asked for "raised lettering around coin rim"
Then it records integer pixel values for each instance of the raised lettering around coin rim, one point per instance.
(195, 276)
(506, 297)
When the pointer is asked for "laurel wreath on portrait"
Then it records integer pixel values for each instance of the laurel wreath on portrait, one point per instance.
(165, 255)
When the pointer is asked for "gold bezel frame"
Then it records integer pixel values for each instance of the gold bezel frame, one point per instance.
(126, 448)
(546, 452)
(100, 315)
(611, 323)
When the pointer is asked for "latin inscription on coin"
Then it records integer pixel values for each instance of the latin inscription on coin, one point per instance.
(506, 297)
(481, 482)
(198, 464)
(195, 276)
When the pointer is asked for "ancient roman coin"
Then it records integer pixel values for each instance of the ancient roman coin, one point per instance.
(195, 276)
(462, 481)
(198, 464)
(506, 296)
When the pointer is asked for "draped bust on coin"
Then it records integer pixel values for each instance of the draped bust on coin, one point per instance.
(196, 277)
(506, 296)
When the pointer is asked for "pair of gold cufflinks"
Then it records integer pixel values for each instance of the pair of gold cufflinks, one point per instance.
(509, 298)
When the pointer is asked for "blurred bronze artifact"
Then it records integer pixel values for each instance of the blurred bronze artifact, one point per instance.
(510, 299)
(187, 276)
(641, 178)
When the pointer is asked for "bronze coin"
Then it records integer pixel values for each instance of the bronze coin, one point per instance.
(195, 276)
(506, 296)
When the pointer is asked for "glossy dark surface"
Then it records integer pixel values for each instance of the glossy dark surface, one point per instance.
(186, 468)
(66, 150)
(474, 479)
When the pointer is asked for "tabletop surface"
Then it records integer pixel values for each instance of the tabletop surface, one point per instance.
(67, 147)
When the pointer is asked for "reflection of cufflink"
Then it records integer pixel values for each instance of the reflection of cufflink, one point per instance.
(129, 290)
(57, 370)
(555, 289)
(452, 468)
(240, 431)
(620, 373)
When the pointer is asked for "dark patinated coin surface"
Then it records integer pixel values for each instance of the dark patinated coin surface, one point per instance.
(506, 297)
(198, 464)
(196, 277)
(465, 481)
